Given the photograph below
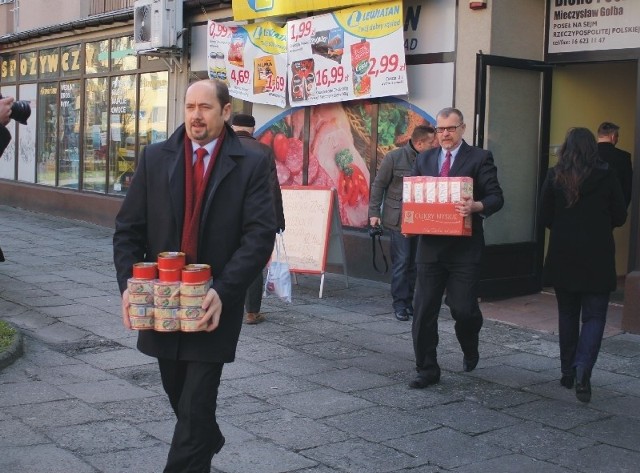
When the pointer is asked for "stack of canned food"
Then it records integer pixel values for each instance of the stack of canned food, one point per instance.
(167, 296)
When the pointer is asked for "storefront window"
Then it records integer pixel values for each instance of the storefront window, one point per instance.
(8, 68)
(47, 133)
(70, 60)
(123, 54)
(69, 133)
(154, 97)
(29, 65)
(97, 57)
(122, 143)
(96, 123)
(48, 63)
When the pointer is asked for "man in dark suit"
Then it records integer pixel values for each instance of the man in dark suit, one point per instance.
(244, 126)
(5, 118)
(218, 211)
(452, 262)
(619, 160)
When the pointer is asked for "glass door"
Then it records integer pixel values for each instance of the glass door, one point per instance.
(513, 99)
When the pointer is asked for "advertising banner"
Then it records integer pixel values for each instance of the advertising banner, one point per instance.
(593, 25)
(253, 9)
(251, 59)
(354, 53)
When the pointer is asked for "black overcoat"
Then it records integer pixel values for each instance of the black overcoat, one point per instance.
(235, 237)
(581, 252)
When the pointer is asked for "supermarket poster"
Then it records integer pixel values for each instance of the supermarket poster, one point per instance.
(355, 53)
(254, 9)
(251, 59)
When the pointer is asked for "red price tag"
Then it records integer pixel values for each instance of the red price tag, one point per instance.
(385, 64)
(276, 84)
(240, 76)
(217, 30)
(300, 30)
(329, 77)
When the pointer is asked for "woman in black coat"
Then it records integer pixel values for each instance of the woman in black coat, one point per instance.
(582, 202)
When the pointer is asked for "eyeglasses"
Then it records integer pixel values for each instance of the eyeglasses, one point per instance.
(450, 129)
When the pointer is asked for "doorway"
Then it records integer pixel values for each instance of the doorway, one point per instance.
(586, 95)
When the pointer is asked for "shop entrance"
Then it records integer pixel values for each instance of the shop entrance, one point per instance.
(512, 118)
(586, 95)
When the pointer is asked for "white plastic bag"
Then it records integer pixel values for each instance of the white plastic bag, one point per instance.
(278, 282)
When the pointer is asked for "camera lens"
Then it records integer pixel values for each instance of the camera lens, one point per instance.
(21, 111)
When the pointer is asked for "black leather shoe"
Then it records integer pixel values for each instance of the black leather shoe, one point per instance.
(583, 385)
(402, 315)
(422, 381)
(469, 364)
(567, 381)
(409, 311)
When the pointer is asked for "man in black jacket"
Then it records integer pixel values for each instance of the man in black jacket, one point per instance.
(244, 126)
(619, 160)
(5, 117)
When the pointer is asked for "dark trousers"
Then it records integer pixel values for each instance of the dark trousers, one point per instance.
(403, 269)
(253, 299)
(461, 283)
(192, 388)
(580, 346)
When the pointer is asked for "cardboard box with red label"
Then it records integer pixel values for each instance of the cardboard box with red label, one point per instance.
(428, 205)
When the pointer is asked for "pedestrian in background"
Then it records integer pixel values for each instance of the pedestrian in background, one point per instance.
(244, 126)
(452, 262)
(619, 160)
(202, 193)
(582, 202)
(385, 205)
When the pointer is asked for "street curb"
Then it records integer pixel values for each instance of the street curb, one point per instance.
(13, 352)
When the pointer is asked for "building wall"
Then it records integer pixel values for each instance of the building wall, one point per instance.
(24, 15)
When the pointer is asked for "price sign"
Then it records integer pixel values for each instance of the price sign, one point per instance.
(251, 59)
(348, 54)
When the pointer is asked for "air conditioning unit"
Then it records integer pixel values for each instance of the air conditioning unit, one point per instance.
(157, 25)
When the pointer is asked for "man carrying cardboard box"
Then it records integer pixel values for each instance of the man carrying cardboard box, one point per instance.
(452, 262)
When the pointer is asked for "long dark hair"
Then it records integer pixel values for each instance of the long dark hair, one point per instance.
(576, 158)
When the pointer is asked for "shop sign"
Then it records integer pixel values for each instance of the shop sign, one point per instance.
(593, 25)
(353, 53)
(253, 9)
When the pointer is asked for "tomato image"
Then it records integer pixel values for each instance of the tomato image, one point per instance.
(281, 146)
(266, 138)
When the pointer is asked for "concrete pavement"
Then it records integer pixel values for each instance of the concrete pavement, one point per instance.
(320, 387)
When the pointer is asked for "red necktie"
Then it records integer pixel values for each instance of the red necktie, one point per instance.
(198, 167)
(446, 166)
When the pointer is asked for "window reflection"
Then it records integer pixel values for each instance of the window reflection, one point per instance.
(95, 134)
(154, 97)
(47, 133)
(69, 132)
(122, 143)
(123, 54)
(97, 57)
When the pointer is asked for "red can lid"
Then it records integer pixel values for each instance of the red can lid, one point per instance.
(171, 260)
(169, 275)
(196, 273)
(145, 270)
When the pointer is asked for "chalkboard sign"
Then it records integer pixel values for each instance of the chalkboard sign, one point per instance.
(313, 231)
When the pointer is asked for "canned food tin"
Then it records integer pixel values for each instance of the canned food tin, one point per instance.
(191, 313)
(142, 323)
(171, 260)
(166, 312)
(191, 301)
(166, 325)
(140, 286)
(166, 301)
(196, 273)
(163, 288)
(141, 299)
(145, 270)
(137, 310)
(190, 325)
(199, 289)
(169, 275)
